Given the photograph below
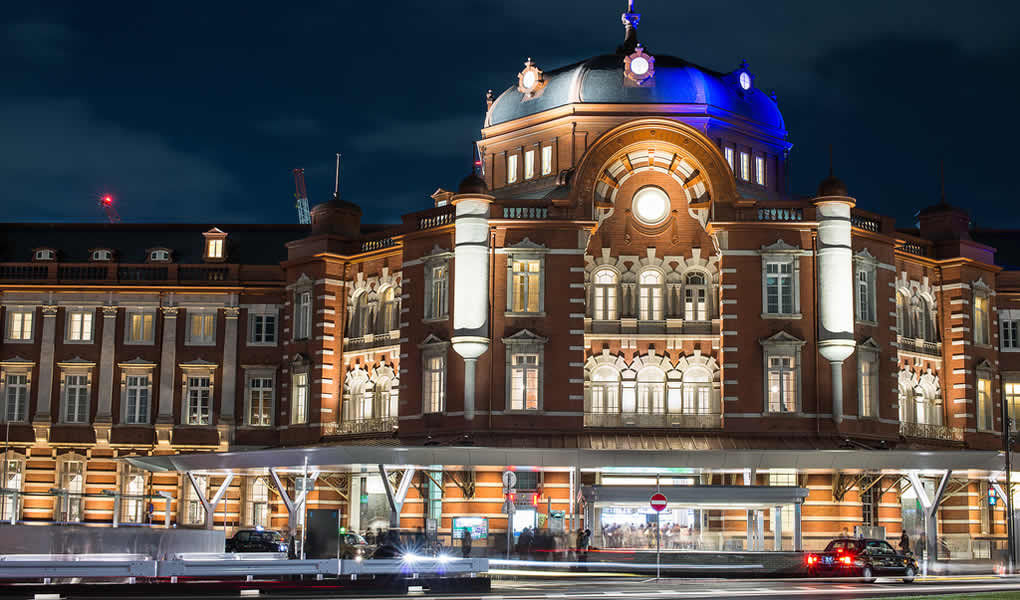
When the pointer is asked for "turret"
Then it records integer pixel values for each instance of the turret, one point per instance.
(471, 276)
(835, 283)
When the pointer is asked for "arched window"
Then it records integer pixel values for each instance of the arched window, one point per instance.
(902, 325)
(389, 310)
(695, 297)
(928, 406)
(650, 295)
(604, 295)
(651, 391)
(358, 403)
(605, 390)
(361, 318)
(917, 317)
(697, 386)
(904, 399)
(384, 399)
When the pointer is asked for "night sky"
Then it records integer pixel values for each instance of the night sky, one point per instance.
(197, 112)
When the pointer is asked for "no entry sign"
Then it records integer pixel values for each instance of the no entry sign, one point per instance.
(658, 502)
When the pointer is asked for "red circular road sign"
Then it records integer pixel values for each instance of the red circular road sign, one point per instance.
(658, 502)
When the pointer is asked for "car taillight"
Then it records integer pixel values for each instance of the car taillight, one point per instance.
(846, 560)
(811, 559)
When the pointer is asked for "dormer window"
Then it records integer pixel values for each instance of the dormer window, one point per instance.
(102, 255)
(44, 254)
(159, 255)
(215, 245)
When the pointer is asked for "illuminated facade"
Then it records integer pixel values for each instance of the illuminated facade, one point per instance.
(629, 271)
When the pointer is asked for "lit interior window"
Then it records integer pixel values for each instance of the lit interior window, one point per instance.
(745, 166)
(759, 170)
(729, 157)
(651, 205)
(546, 160)
(511, 168)
(529, 164)
(215, 249)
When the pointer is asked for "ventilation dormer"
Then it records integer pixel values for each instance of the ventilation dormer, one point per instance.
(158, 255)
(44, 254)
(100, 255)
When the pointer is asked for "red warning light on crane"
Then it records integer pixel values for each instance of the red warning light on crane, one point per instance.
(107, 200)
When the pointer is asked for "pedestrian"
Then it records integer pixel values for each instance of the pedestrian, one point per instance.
(904, 542)
(465, 543)
(370, 536)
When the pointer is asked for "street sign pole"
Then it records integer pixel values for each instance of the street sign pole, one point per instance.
(658, 530)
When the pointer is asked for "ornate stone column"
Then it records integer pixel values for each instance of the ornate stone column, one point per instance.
(42, 421)
(104, 413)
(228, 396)
(167, 369)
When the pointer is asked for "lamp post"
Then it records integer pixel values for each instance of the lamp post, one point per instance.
(1007, 450)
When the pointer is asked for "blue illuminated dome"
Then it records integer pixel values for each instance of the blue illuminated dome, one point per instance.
(602, 79)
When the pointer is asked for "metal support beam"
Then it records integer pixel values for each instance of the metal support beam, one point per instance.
(396, 498)
(930, 506)
(210, 505)
(292, 505)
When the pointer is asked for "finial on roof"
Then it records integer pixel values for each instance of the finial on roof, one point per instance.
(832, 185)
(630, 21)
(336, 181)
(489, 99)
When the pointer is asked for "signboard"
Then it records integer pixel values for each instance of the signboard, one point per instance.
(658, 502)
(509, 479)
(479, 527)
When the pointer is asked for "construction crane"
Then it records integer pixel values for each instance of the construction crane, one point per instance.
(304, 217)
(111, 213)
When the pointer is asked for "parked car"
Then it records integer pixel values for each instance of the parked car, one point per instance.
(861, 557)
(353, 546)
(257, 540)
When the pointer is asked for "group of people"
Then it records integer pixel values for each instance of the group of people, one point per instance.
(671, 537)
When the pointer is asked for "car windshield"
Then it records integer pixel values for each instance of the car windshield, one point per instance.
(267, 536)
(880, 547)
(356, 539)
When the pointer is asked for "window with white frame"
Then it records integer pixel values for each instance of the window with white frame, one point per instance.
(745, 166)
(201, 327)
(867, 382)
(258, 502)
(261, 329)
(782, 383)
(361, 315)
(9, 507)
(865, 291)
(19, 324)
(547, 160)
(76, 398)
(362, 399)
(728, 151)
(385, 398)
(697, 392)
(45, 254)
(198, 399)
(102, 255)
(524, 381)
(525, 285)
(260, 399)
(1009, 336)
(72, 482)
(389, 313)
(303, 315)
(214, 248)
(920, 319)
(79, 325)
(604, 391)
(695, 297)
(1011, 396)
(159, 255)
(139, 327)
(779, 287)
(511, 168)
(902, 314)
(981, 319)
(985, 412)
(137, 395)
(529, 164)
(132, 489)
(16, 386)
(650, 295)
(604, 291)
(759, 170)
(194, 509)
(434, 397)
(437, 285)
(299, 398)
(651, 391)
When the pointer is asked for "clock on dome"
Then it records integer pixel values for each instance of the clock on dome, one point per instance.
(530, 81)
(745, 81)
(639, 66)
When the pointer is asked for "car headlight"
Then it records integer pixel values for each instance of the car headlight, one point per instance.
(410, 557)
(444, 558)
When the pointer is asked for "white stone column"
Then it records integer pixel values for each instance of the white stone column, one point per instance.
(46, 352)
(228, 396)
(104, 413)
(167, 365)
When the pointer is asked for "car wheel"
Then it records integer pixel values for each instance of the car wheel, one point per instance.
(908, 575)
(867, 575)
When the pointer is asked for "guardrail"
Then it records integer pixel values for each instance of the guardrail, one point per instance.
(48, 566)
(439, 566)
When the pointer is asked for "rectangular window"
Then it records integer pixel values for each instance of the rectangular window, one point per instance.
(16, 402)
(198, 394)
(214, 248)
(865, 295)
(76, 398)
(15, 476)
(782, 384)
(133, 500)
(299, 399)
(436, 303)
(1010, 334)
(524, 382)
(511, 168)
(529, 164)
(729, 158)
(985, 414)
(262, 329)
(72, 481)
(981, 319)
(194, 509)
(435, 384)
(759, 170)
(303, 315)
(779, 288)
(139, 327)
(201, 328)
(1012, 400)
(258, 502)
(546, 160)
(605, 302)
(867, 378)
(260, 401)
(745, 166)
(19, 324)
(79, 325)
(527, 278)
(138, 390)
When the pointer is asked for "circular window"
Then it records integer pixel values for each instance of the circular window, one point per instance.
(639, 65)
(745, 80)
(651, 205)
(528, 79)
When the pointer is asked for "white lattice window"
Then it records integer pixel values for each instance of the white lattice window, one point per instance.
(695, 297)
(697, 392)
(604, 295)
(76, 398)
(1011, 392)
(299, 399)
(19, 324)
(260, 400)
(385, 399)
(139, 327)
(198, 400)
(302, 315)
(1009, 333)
(262, 329)
(389, 314)
(782, 384)
(779, 288)
(434, 398)
(651, 391)
(201, 327)
(605, 391)
(526, 286)
(865, 292)
(16, 387)
(524, 381)
(867, 380)
(985, 412)
(438, 289)
(650, 295)
(547, 160)
(9, 507)
(982, 319)
(137, 395)
(79, 325)
(72, 482)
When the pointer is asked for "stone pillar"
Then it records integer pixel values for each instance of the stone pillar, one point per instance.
(104, 412)
(354, 504)
(777, 528)
(42, 421)
(167, 369)
(798, 536)
(228, 397)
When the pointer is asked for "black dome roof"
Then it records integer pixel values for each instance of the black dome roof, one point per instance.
(832, 186)
(472, 184)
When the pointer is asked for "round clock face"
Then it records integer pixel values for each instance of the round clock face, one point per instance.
(639, 65)
(651, 205)
(745, 81)
(529, 79)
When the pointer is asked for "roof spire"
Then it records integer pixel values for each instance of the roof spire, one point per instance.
(630, 22)
(336, 181)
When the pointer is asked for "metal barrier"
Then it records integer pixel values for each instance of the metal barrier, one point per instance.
(418, 566)
(242, 567)
(34, 566)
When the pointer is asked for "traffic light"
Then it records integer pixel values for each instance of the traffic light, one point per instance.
(992, 497)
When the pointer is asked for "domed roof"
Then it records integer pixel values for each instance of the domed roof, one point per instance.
(601, 79)
(472, 184)
(832, 186)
